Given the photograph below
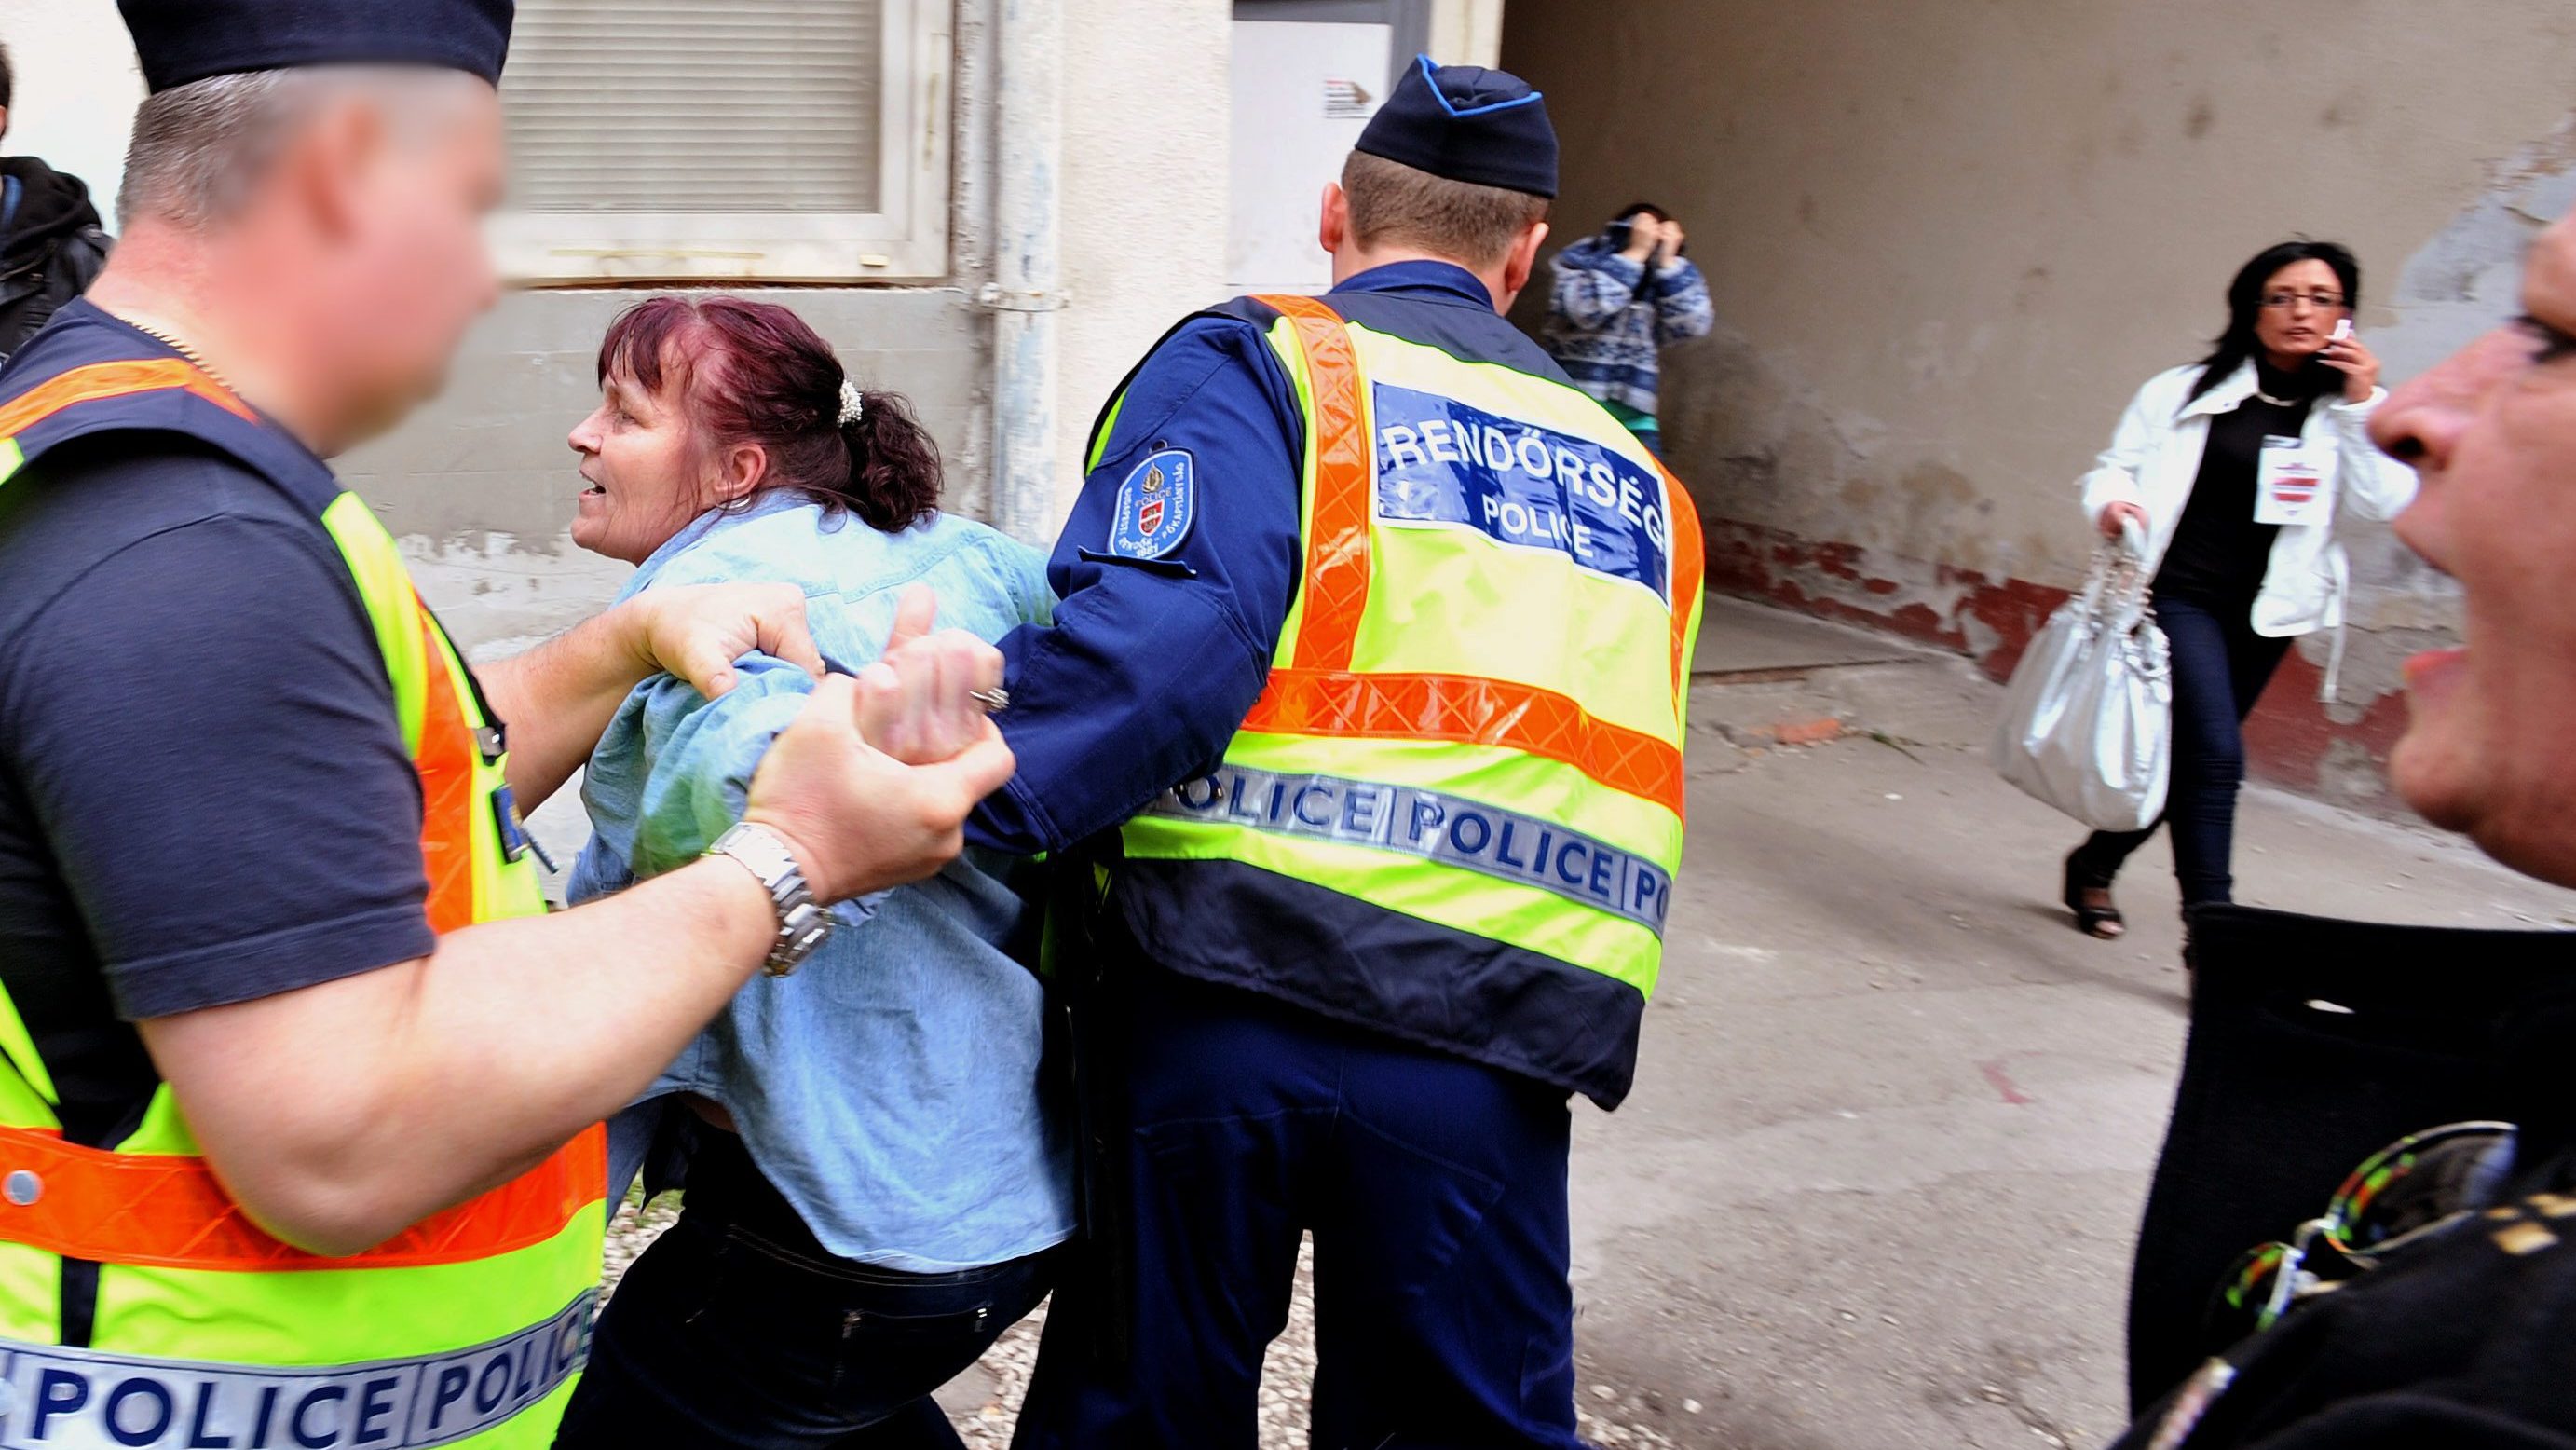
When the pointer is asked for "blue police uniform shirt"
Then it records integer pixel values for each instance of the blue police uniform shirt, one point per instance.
(204, 794)
(1153, 662)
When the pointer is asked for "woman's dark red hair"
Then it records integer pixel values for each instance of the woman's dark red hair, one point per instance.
(754, 372)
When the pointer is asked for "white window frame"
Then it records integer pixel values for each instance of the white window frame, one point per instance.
(906, 239)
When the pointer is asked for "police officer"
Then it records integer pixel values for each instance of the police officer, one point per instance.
(297, 1119)
(1368, 686)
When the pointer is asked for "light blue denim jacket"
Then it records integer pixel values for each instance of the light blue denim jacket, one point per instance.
(889, 1088)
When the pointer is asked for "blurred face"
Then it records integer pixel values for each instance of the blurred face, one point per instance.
(2492, 433)
(2301, 304)
(643, 474)
(401, 260)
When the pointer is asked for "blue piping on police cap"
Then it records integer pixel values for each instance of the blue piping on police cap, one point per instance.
(1466, 123)
(182, 41)
(1431, 73)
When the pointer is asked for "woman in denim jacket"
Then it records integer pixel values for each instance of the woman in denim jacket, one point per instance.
(874, 1176)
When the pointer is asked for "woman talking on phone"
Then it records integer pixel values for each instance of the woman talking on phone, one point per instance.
(2231, 470)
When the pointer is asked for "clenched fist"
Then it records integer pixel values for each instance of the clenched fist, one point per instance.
(857, 819)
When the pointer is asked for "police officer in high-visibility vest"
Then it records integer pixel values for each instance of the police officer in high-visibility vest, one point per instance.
(1366, 694)
(298, 1137)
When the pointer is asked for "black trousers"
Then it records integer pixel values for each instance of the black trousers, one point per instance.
(737, 1330)
(2220, 666)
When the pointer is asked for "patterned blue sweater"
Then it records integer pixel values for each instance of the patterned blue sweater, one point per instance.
(1607, 323)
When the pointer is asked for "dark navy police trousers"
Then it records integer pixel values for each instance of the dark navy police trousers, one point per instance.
(1435, 1189)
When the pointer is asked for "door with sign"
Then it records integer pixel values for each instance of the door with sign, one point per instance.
(1303, 92)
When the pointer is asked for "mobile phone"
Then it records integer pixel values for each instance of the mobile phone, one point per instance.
(2342, 332)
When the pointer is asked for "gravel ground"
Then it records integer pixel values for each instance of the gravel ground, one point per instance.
(985, 1402)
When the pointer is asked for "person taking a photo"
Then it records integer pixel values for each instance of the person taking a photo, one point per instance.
(1621, 298)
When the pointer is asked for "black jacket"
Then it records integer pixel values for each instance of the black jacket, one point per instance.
(2314, 1044)
(51, 247)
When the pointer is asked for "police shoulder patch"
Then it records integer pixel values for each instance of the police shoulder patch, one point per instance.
(1156, 506)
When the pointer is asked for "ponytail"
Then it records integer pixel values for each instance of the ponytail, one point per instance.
(754, 372)
(895, 476)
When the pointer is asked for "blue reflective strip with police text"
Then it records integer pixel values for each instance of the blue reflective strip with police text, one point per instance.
(78, 1399)
(1443, 828)
(1442, 462)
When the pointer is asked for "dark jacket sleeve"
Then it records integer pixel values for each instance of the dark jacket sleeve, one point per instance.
(1152, 664)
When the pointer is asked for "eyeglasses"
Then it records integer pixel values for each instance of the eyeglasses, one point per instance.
(2322, 301)
(2405, 1191)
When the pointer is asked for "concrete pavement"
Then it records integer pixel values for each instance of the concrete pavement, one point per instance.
(1877, 1185)
(1878, 1181)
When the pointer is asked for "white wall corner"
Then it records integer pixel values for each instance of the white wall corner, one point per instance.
(1145, 192)
(1467, 32)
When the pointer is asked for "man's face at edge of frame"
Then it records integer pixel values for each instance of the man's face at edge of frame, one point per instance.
(2491, 432)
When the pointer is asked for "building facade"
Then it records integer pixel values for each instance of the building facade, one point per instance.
(993, 206)
(1947, 240)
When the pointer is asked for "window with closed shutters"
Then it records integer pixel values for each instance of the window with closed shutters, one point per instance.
(773, 140)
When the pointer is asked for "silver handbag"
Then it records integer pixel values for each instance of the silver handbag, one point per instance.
(2088, 718)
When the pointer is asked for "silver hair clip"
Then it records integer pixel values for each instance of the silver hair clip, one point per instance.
(854, 404)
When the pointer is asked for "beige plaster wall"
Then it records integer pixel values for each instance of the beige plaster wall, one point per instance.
(1145, 185)
(1947, 238)
(1467, 32)
(479, 484)
(77, 86)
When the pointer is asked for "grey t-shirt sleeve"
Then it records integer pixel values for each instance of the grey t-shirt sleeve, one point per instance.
(206, 737)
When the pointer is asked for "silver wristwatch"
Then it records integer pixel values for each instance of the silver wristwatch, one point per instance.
(802, 924)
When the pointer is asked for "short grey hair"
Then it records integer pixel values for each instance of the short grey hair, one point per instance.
(199, 148)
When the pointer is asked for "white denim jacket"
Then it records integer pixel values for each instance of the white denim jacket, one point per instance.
(2155, 458)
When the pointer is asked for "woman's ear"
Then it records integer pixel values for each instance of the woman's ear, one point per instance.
(740, 472)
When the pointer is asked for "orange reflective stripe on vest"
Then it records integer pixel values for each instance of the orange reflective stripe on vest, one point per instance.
(115, 380)
(1320, 695)
(1470, 711)
(1336, 587)
(445, 762)
(1690, 564)
(160, 1211)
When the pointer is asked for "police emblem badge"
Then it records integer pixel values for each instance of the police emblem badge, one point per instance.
(1156, 506)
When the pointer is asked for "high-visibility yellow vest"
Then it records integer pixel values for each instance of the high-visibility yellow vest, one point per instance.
(1475, 713)
(139, 1306)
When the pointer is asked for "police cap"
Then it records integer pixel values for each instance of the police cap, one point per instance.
(180, 41)
(1469, 124)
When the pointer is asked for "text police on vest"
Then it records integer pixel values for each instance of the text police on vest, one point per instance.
(1442, 462)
